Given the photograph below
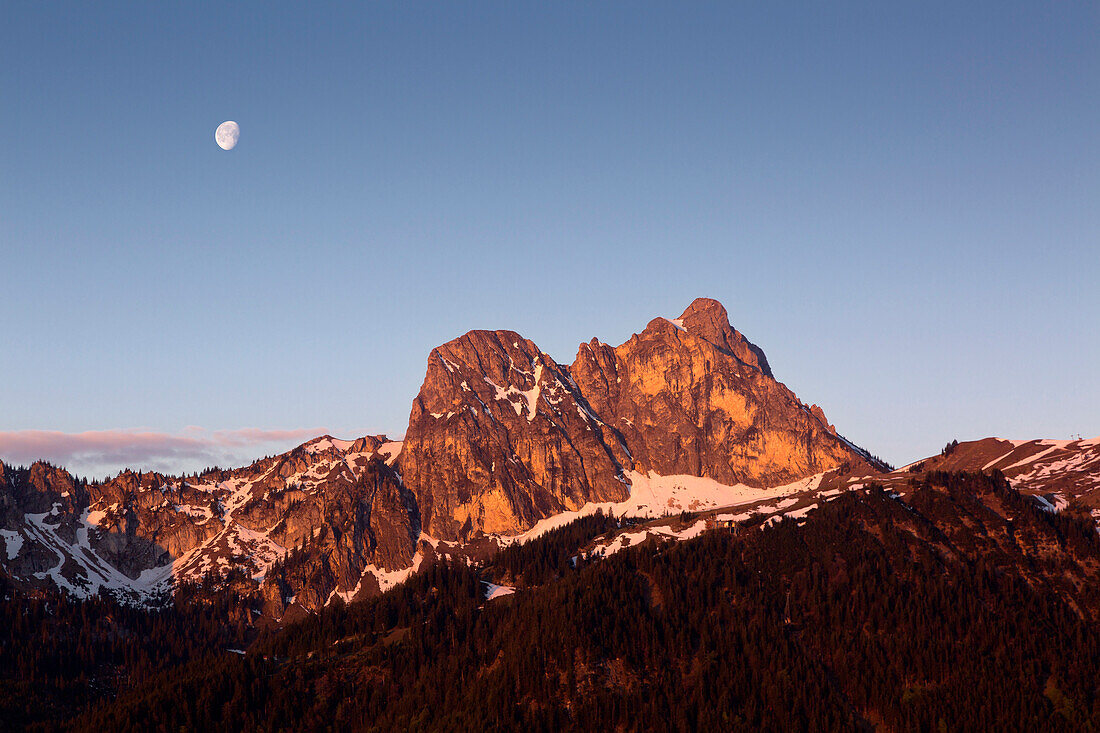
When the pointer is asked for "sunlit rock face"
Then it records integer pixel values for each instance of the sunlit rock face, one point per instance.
(706, 318)
(693, 396)
(501, 436)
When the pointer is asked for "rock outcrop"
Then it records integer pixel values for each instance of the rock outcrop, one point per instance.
(692, 396)
(340, 503)
(501, 436)
(707, 319)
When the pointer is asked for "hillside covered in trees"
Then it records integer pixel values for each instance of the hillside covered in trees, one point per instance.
(959, 606)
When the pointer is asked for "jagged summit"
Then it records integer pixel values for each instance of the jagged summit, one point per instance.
(707, 319)
(501, 435)
(501, 438)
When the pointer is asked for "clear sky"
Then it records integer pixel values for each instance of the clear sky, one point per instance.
(901, 207)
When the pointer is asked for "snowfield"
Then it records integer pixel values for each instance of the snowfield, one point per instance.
(653, 496)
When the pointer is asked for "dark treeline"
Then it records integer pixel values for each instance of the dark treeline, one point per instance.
(58, 654)
(941, 494)
(554, 553)
(866, 614)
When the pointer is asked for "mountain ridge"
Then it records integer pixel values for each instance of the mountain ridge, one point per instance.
(959, 605)
(501, 439)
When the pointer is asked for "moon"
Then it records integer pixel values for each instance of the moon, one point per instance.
(227, 134)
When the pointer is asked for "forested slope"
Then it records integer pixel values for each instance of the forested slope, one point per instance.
(962, 607)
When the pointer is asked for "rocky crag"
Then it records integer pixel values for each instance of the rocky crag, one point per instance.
(501, 437)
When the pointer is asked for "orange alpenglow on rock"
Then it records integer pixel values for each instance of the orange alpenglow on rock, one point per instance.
(501, 436)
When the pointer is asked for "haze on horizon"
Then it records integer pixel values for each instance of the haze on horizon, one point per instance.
(897, 205)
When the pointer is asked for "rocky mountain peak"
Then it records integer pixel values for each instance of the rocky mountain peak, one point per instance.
(707, 319)
(500, 437)
(693, 397)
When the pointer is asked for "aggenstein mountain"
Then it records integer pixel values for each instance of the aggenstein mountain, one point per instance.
(683, 416)
(659, 535)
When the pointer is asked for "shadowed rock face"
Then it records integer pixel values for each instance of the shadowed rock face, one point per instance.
(372, 522)
(501, 436)
(341, 502)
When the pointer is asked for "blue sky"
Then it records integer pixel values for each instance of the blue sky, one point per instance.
(898, 205)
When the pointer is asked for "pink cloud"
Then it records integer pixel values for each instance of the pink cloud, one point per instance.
(112, 450)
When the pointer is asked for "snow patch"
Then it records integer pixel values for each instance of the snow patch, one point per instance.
(629, 539)
(1044, 503)
(492, 590)
(996, 460)
(12, 542)
(390, 450)
(1033, 458)
(388, 579)
(449, 365)
(793, 514)
(327, 443)
(528, 396)
(655, 496)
